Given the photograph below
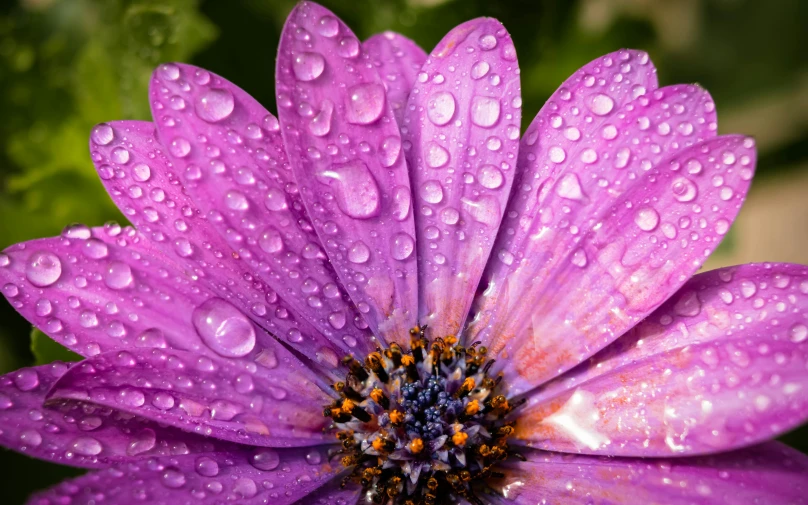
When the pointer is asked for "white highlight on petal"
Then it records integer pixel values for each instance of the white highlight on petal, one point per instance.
(577, 419)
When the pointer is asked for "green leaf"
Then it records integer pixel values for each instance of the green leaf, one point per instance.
(47, 350)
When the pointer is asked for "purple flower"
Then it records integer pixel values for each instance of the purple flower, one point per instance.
(476, 318)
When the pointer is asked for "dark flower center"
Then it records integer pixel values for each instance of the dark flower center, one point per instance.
(422, 426)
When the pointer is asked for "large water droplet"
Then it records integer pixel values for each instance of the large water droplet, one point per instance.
(432, 191)
(308, 66)
(440, 108)
(389, 150)
(86, 446)
(365, 103)
(275, 200)
(647, 219)
(43, 269)
(172, 478)
(151, 338)
(435, 155)
(600, 104)
(206, 466)
(26, 379)
(265, 459)
(401, 203)
(235, 200)
(484, 111)
(271, 241)
(684, 189)
(359, 252)
(224, 328)
(215, 104)
(328, 26)
(320, 124)
(142, 442)
(402, 245)
(485, 210)
(118, 275)
(102, 134)
(569, 187)
(355, 189)
(490, 177)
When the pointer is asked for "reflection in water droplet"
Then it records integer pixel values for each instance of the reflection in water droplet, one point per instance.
(365, 103)
(214, 104)
(224, 328)
(355, 189)
(43, 269)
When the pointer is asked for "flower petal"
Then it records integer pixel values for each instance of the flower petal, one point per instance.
(344, 147)
(397, 59)
(244, 476)
(698, 376)
(228, 400)
(334, 493)
(461, 138)
(611, 244)
(771, 473)
(584, 113)
(82, 435)
(228, 152)
(98, 290)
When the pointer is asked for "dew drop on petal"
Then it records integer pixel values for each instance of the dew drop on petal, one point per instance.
(484, 111)
(355, 189)
(402, 245)
(214, 104)
(224, 328)
(206, 466)
(365, 103)
(308, 66)
(441, 108)
(389, 150)
(43, 269)
(647, 219)
(684, 190)
(118, 275)
(265, 459)
(359, 252)
(172, 478)
(102, 134)
(435, 155)
(601, 104)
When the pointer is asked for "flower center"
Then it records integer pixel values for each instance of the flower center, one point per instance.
(422, 426)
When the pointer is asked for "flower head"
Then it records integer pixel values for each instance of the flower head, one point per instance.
(386, 295)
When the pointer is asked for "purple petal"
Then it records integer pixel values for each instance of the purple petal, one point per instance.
(345, 150)
(334, 493)
(613, 242)
(228, 400)
(76, 434)
(719, 366)
(397, 59)
(244, 476)
(461, 133)
(771, 473)
(227, 151)
(98, 290)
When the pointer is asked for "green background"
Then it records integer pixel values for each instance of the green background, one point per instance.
(66, 65)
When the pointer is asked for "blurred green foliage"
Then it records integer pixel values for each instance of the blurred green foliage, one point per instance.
(68, 64)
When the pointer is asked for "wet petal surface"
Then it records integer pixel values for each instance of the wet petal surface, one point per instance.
(241, 475)
(770, 473)
(721, 365)
(344, 148)
(461, 135)
(228, 400)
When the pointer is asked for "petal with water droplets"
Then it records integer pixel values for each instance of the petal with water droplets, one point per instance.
(350, 174)
(722, 359)
(236, 174)
(397, 59)
(239, 475)
(463, 134)
(771, 473)
(227, 400)
(597, 258)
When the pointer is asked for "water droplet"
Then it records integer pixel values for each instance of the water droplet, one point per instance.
(151, 338)
(684, 189)
(365, 103)
(435, 155)
(601, 104)
(328, 26)
(647, 219)
(120, 156)
(214, 104)
(26, 379)
(275, 200)
(441, 108)
(172, 478)
(86, 446)
(118, 275)
(484, 111)
(308, 66)
(487, 42)
(163, 401)
(43, 269)
(271, 241)
(180, 147)
(359, 252)
(798, 333)
(30, 438)
(206, 466)
(224, 328)
(320, 124)
(265, 459)
(401, 203)
(480, 70)
(490, 177)
(390, 149)
(432, 191)
(95, 249)
(402, 245)
(569, 187)
(348, 47)
(142, 442)
(245, 487)
(355, 189)
(484, 210)
(622, 157)
(235, 200)
(102, 134)
(313, 457)
(557, 154)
